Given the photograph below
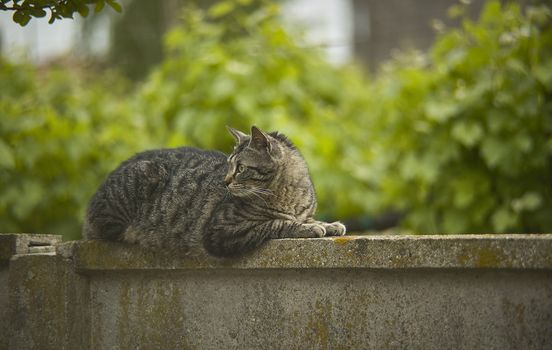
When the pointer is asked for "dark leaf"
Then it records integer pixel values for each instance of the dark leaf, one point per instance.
(37, 12)
(114, 5)
(99, 6)
(21, 17)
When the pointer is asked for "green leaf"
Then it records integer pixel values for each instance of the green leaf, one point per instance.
(82, 9)
(7, 159)
(491, 11)
(66, 11)
(114, 5)
(455, 221)
(37, 12)
(543, 73)
(468, 133)
(99, 6)
(21, 17)
(31, 194)
(493, 151)
(528, 202)
(440, 111)
(221, 9)
(464, 192)
(503, 220)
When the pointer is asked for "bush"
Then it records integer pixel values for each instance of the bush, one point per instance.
(64, 132)
(59, 135)
(460, 138)
(236, 65)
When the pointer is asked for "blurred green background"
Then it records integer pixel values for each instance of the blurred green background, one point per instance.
(453, 139)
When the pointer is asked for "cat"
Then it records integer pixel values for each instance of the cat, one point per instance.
(197, 201)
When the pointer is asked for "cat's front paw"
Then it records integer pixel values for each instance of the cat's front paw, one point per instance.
(314, 230)
(335, 229)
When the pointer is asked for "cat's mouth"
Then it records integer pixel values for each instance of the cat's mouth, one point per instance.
(251, 192)
(238, 190)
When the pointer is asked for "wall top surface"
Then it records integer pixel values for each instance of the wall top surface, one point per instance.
(519, 251)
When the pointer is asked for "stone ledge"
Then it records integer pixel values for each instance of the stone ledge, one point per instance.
(365, 252)
(14, 244)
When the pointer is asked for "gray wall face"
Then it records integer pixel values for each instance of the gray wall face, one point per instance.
(415, 292)
(323, 309)
(4, 304)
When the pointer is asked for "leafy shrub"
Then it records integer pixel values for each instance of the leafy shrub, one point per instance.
(58, 138)
(63, 133)
(458, 139)
(461, 137)
(236, 65)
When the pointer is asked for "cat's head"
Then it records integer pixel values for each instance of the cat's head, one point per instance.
(259, 160)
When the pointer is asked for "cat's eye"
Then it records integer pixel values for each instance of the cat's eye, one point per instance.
(241, 168)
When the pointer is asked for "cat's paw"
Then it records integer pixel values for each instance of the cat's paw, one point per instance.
(314, 230)
(335, 229)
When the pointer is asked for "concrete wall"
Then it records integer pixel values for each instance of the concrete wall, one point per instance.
(12, 245)
(4, 292)
(392, 292)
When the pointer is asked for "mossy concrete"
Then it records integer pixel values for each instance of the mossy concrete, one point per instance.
(385, 292)
(4, 304)
(377, 252)
(11, 245)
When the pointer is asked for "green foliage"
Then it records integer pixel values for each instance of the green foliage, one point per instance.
(459, 139)
(59, 136)
(64, 133)
(462, 136)
(235, 65)
(23, 11)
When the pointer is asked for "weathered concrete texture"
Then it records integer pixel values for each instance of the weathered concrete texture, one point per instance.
(385, 252)
(323, 309)
(12, 244)
(391, 292)
(48, 304)
(4, 305)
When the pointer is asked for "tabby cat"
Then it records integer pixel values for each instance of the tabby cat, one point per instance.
(196, 201)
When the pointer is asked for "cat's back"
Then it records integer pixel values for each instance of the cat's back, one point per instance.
(166, 189)
(183, 162)
(181, 158)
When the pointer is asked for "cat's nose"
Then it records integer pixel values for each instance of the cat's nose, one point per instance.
(228, 179)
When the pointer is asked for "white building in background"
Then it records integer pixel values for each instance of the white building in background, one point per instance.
(41, 42)
(327, 23)
(38, 40)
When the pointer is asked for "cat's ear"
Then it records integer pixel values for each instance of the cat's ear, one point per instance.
(238, 135)
(259, 140)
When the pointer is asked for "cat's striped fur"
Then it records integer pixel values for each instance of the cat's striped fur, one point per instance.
(192, 200)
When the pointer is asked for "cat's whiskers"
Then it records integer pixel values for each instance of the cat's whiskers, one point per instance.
(250, 192)
(263, 191)
(255, 189)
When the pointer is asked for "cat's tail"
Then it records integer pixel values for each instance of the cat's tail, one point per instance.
(103, 219)
(104, 228)
(113, 207)
(230, 242)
